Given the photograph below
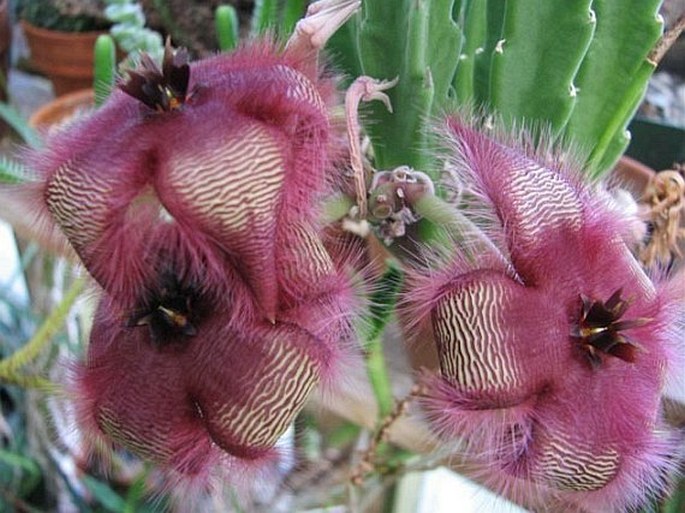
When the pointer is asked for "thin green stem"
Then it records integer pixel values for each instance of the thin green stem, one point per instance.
(379, 377)
(37, 382)
(382, 305)
(9, 367)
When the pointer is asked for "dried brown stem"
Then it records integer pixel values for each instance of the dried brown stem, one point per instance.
(369, 458)
(666, 41)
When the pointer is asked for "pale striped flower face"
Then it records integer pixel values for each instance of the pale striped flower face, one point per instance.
(553, 343)
(190, 197)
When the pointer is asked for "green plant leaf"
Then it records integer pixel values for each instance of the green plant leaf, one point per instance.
(14, 119)
(104, 494)
(11, 171)
(31, 472)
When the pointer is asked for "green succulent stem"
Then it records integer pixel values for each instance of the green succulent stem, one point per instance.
(418, 42)
(226, 26)
(475, 32)
(612, 78)
(104, 68)
(614, 140)
(11, 365)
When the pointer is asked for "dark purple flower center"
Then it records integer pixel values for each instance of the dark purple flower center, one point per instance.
(162, 90)
(599, 329)
(170, 313)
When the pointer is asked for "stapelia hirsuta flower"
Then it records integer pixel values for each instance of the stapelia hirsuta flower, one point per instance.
(554, 345)
(190, 196)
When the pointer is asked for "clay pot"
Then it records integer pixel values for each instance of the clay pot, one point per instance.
(62, 108)
(66, 58)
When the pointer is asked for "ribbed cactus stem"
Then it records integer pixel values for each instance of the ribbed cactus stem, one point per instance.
(533, 67)
(418, 35)
(474, 35)
(602, 158)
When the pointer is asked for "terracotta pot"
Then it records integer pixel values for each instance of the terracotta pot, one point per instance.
(65, 57)
(62, 108)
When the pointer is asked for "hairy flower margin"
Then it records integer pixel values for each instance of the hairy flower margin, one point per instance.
(554, 345)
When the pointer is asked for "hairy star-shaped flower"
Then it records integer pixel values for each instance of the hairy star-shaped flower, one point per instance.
(553, 343)
(191, 198)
